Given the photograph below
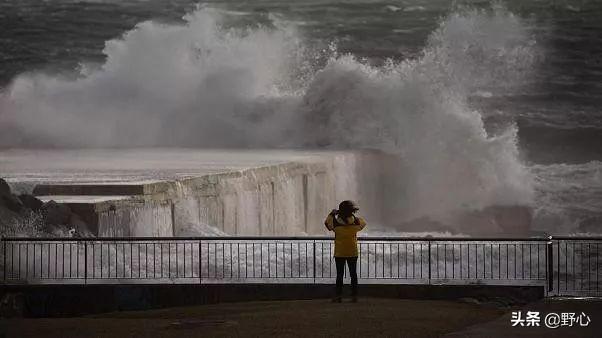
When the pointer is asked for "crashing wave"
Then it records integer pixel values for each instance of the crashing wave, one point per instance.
(201, 84)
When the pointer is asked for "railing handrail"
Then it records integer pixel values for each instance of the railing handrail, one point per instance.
(577, 238)
(294, 238)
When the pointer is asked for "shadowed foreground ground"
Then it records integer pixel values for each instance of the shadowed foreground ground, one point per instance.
(371, 317)
(502, 328)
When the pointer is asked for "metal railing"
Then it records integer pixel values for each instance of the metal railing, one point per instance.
(576, 264)
(563, 265)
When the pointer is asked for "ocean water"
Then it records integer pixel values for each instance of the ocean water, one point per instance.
(488, 102)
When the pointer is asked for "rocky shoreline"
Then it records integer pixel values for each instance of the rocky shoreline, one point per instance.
(26, 215)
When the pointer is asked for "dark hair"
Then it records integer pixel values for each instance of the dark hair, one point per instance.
(347, 208)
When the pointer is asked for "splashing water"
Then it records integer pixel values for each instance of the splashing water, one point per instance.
(201, 84)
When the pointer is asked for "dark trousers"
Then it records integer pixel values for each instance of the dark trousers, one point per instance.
(352, 265)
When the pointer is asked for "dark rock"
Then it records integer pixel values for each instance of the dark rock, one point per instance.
(7, 219)
(56, 214)
(4, 188)
(31, 202)
(11, 202)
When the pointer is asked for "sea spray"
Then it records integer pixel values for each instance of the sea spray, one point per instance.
(418, 109)
(201, 84)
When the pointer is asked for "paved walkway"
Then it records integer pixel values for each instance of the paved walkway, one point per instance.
(502, 327)
(371, 317)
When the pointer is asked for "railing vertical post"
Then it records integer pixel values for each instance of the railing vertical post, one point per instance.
(429, 260)
(550, 267)
(314, 266)
(85, 262)
(4, 279)
(558, 265)
(201, 264)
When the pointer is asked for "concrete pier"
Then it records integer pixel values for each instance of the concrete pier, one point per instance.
(165, 192)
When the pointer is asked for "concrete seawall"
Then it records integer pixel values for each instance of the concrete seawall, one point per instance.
(265, 195)
(285, 199)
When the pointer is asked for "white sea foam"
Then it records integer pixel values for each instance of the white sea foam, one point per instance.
(565, 197)
(414, 9)
(200, 84)
(392, 8)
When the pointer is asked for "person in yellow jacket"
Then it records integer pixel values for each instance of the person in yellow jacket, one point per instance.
(345, 226)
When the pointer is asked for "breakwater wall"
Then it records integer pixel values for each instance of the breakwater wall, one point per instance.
(288, 198)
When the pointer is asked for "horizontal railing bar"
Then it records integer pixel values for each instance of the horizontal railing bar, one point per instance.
(290, 238)
(580, 238)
